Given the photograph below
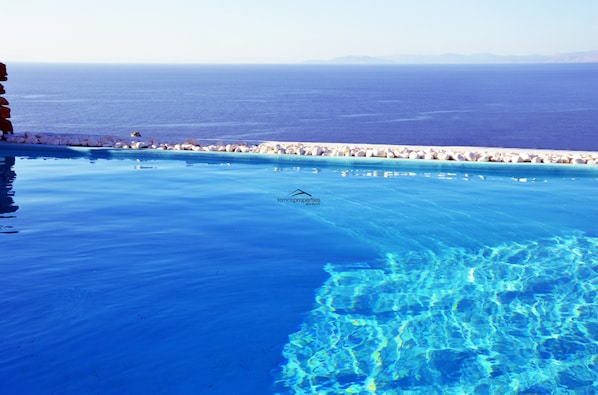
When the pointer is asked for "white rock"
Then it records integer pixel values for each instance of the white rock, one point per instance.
(578, 161)
(414, 155)
(536, 159)
(563, 159)
(444, 156)
(317, 151)
(379, 153)
(429, 156)
(471, 156)
(498, 157)
(360, 154)
(192, 141)
(45, 139)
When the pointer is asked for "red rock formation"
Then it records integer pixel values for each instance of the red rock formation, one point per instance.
(5, 124)
(4, 112)
(3, 73)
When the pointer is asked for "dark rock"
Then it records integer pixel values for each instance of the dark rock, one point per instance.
(2, 91)
(3, 73)
(5, 126)
(3, 102)
(4, 112)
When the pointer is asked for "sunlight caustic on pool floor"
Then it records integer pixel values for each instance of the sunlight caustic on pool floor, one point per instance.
(515, 318)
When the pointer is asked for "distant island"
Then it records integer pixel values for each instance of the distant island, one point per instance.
(453, 58)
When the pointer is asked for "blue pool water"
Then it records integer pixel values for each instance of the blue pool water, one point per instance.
(168, 272)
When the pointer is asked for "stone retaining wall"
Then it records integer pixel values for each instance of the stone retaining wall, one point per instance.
(459, 154)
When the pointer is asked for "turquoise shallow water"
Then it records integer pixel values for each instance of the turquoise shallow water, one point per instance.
(174, 273)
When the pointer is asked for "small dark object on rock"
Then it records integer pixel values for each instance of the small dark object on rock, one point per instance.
(135, 134)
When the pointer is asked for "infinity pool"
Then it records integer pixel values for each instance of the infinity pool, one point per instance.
(169, 273)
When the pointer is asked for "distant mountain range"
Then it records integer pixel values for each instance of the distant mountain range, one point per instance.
(452, 58)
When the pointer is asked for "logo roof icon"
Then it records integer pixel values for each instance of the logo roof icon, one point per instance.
(298, 192)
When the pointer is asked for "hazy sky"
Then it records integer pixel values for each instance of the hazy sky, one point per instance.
(269, 31)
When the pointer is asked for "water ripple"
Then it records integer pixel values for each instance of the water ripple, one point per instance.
(514, 318)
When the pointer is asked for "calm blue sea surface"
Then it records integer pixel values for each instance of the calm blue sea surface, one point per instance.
(179, 273)
(526, 106)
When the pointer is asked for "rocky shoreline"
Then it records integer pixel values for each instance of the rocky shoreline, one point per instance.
(460, 154)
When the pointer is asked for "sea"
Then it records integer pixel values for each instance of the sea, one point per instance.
(542, 106)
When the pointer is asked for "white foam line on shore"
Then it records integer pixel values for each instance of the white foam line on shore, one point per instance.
(442, 153)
